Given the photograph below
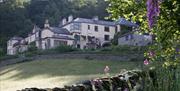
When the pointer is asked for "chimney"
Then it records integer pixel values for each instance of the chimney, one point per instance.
(1, 1)
(64, 21)
(70, 18)
(95, 18)
(46, 25)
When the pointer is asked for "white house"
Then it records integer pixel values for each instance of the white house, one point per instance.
(13, 45)
(54, 36)
(46, 38)
(134, 39)
(80, 32)
(93, 33)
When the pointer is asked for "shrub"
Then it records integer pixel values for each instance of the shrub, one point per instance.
(123, 49)
(32, 47)
(162, 79)
(105, 49)
(6, 57)
(30, 54)
(65, 48)
(1, 52)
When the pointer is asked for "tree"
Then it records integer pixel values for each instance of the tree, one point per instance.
(164, 26)
(13, 21)
(165, 30)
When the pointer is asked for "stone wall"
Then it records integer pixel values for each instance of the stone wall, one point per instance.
(127, 81)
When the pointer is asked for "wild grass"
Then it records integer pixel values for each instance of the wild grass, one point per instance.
(162, 78)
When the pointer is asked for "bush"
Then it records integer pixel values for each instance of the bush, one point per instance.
(30, 54)
(65, 48)
(2, 52)
(32, 47)
(105, 49)
(123, 49)
(6, 57)
(162, 79)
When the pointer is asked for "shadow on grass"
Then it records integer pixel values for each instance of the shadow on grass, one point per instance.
(67, 67)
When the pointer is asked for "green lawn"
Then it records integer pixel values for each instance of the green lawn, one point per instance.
(56, 72)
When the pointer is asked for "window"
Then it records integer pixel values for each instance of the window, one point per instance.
(126, 37)
(106, 37)
(77, 37)
(59, 42)
(10, 43)
(131, 36)
(116, 28)
(75, 26)
(96, 28)
(78, 46)
(106, 29)
(88, 27)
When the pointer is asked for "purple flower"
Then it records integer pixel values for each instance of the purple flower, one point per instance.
(177, 49)
(153, 10)
(146, 62)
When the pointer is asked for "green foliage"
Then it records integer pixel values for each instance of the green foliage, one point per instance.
(6, 57)
(161, 79)
(32, 47)
(124, 30)
(65, 48)
(1, 52)
(166, 31)
(166, 38)
(124, 49)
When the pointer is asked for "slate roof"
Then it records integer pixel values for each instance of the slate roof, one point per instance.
(19, 43)
(16, 38)
(123, 21)
(37, 28)
(59, 30)
(101, 22)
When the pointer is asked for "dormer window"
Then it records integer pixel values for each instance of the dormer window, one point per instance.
(76, 26)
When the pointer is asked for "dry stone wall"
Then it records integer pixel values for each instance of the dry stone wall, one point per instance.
(127, 81)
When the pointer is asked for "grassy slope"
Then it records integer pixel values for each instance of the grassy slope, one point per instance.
(52, 73)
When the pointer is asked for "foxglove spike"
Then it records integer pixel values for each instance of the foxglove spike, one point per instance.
(153, 10)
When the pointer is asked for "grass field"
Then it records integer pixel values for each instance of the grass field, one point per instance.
(56, 72)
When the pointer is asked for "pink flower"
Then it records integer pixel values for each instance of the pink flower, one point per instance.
(151, 54)
(126, 89)
(106, 69)
(146, 62)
